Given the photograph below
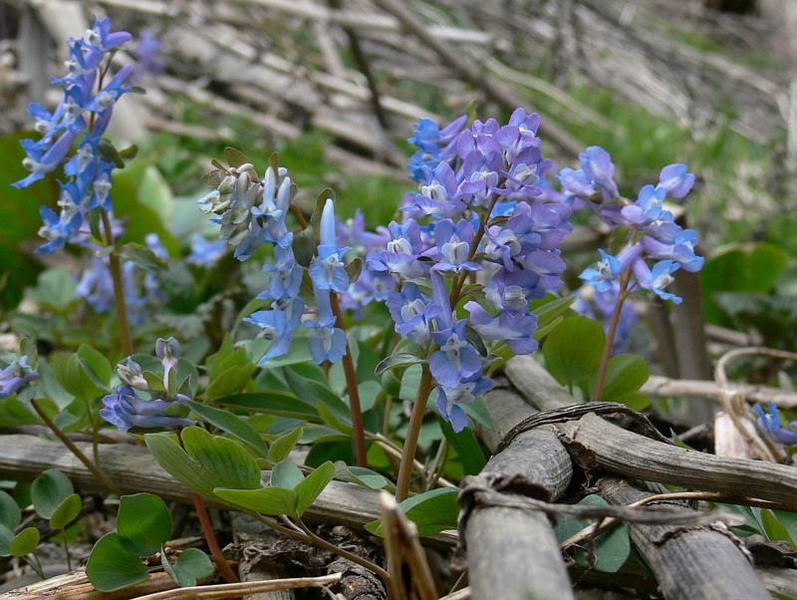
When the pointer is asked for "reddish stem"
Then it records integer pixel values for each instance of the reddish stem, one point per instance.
(210, 537)
(354, 392)
(612, 333)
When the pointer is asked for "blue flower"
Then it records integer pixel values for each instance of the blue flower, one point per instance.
(16, 376)
(515, 328)
(599, 170)
(408, 309)
(449, 399)
(456, 360)
(772, 425)
(328, 270)
(676, 180)
(327, 342)
(285, 276)
(41, 160)
(127, 410)
(454, 246)
(278, 325)
(205, 252)
(658, 278)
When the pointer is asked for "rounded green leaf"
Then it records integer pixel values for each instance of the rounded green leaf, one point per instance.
(10, 513)
(274, 501)
(24, 542)
(286, 475)
(625, 375)
(573, 350)
(6, 535)
(49, 490)
(66, 512)
(282, 446)
(111, 566)
(144, 523)
(192, 564)
(431, 511)
(223, 461)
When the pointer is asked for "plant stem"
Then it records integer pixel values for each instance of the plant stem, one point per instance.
(68, 555)
(118, 286)
(318, 540)
(210, 537)
(354, 392)
(411, 441)
(612, 333)
(95, 469)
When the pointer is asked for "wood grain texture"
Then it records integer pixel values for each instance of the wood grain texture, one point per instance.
(697, 562)
(511, 551)
(24, 457)
(596, 443)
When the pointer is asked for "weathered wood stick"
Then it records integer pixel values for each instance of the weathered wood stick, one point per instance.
(689, 562)
(24, 457)
(76, 586)
(664, 386)
(511, 550)
(595, 442)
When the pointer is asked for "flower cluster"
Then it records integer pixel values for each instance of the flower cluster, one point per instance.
(142, 288)
(771, 423)
(82, 116)
(481, 217)
(16, 376)
(657, 247)
(139, 403)
(251, 213)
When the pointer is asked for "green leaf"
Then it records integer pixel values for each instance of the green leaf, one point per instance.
(369, 390)
(191, 566)
(6, 536)
(66, 512)
(144, 523)
(788, 521)
(467, 447)
(10, 513)
(308, 490)
(178, 463)
(273, 403)
(361, 476)
(232, 424)
(573, 350)
(49, 490)
(612, 548)
(330, 418)
(431, 511)
(24, 542)
(231, 381)
(410, 383)
(144, 257)
(224, 462)
(282, 446)
(273, 501)
(55, 290)
(96, 364)
(286, 475)
(395, 361)
(625, 375)
(111, 566)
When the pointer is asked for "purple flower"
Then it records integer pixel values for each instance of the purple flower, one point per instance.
(16, 376)
(515, 328)
(454, 246)
(127, 410)
(449, 399)
(676, 180)
(599, 170)
(408, 309)
(772, 425)
(658, 278)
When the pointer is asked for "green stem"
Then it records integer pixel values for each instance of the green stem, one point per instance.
(411, 441)
(354, 393)
(95, 469)
(612, 333)
(68, 554)
(118, 286)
